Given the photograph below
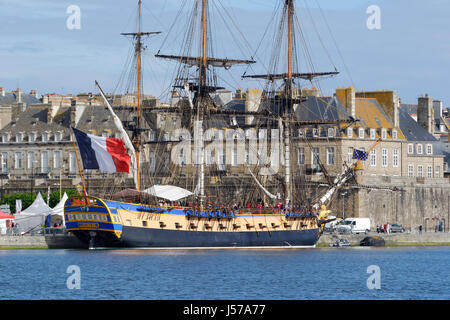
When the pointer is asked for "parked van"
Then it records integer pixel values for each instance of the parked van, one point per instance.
(354, 225)
(331, 226)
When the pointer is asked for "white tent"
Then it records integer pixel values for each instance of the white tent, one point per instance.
(33, 216)
(58, 210)
(171, 193)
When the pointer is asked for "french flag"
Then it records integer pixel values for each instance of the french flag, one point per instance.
(106, 154)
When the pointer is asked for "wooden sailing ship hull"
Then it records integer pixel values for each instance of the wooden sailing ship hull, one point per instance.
(102, 223)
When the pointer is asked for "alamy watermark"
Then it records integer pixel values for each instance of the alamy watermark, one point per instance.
(73, 22)
(374, 280)
(230, 147)
(74, 280)
(374, 20)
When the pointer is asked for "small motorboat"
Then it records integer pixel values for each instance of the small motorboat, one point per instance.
(340, 243)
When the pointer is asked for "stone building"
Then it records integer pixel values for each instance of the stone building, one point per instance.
(13, 103)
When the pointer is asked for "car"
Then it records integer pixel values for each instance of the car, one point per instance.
(396, 228)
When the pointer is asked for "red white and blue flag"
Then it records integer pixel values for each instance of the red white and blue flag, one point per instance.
(105, 154)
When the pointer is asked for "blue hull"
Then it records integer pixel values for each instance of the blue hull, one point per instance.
(133, 237)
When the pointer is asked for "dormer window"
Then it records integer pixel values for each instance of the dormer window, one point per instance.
(330, 132)
(349, 132)
(419, 149)
(19, 137)
(301, 133)
(394, 134)
(429, 149)
(383, 134)
(45, 136)
(361, 133)
(372, 133)
(32, 137)
(58, 136)
(5, 138)
(410, 148)
(315, 132)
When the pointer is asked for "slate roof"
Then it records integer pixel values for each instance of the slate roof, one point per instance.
(10, 98)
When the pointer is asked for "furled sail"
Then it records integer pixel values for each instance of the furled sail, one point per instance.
(262, 187)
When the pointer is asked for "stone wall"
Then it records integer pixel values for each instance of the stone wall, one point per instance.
(418, 201)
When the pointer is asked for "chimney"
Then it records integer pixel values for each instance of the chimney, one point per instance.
(34, 93)
(2, 92)
(425, 113)
(389, 102)
(347, 97)
(19, 95)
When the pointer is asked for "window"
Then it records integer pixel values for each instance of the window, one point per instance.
(301, 156)
(430, 171)
(429, 149)
(419, 149)
(5, 138)
(361, 133)
(350, 155)
(152, 162)
(411, 170)
(373, 158)
(19, 137)
(72, 162)
(315, 154)
(57, 159)
(58, 136)
(437, 172)
(45, 137)
(44, 162)
(32, 137)
(349, 132)
(330, 156)
(395, 158)
(383, 134)
(4, 162)
(30, 159)
(330, 132)
(384, 157)
(315, 132)
(394, 134)
(410, 148)
(234, 155)
(372, 133)
(18, 158)
(420, 171)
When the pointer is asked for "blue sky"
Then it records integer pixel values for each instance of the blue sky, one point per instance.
(409, 54)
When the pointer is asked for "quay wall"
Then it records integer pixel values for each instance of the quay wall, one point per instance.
(413, 202)
(393, 239)
(40, 242)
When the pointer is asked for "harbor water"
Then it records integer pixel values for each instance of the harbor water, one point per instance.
(321, 273)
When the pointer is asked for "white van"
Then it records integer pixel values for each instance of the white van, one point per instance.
(354, 225)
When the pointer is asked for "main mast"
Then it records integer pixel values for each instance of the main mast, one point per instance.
(202, 89)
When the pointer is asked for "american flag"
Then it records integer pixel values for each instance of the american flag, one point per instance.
(360, 155)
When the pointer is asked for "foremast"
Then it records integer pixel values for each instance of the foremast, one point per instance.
(136, 127)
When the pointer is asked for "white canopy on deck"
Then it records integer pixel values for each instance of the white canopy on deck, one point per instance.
(171, 193)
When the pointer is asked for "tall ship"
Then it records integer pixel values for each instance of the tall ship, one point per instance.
(196, 203)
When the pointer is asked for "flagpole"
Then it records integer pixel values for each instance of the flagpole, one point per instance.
(79, 167)
(368, 152)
